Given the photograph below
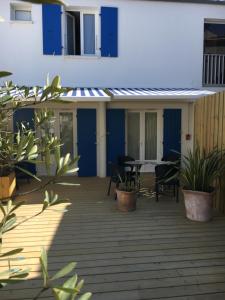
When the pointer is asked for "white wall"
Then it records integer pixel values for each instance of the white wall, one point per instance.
(160, 45)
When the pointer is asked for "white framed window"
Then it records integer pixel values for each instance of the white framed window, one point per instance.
(144, 134)
(81, 32)
(21, 13)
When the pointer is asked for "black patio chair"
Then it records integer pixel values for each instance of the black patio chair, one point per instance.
(117, 176)
(173, 157)
(164, 178)
(128, 169)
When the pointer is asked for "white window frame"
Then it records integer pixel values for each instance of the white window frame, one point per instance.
(20, 7)
(148, 167)
(83, 11)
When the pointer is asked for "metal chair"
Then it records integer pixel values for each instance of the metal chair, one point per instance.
(163, 174)
(128, 169)
(117, 176)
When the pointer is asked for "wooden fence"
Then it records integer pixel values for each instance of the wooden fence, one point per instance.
(210, 132)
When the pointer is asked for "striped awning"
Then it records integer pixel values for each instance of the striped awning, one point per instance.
(108, 94)
(74, 95)
(86, 94)
(150, 93)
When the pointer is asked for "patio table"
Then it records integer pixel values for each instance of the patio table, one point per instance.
(137, 164)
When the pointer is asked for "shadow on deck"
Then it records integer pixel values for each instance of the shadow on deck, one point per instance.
(152, 253)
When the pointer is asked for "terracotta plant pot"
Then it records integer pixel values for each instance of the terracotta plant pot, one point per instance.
(199, 205)
(126, 201)
(7, 185)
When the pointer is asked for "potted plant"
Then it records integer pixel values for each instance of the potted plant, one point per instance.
(126, 195)
(7, 182)
(198, 176)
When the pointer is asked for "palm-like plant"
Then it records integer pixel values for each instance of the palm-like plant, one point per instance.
(201, 169)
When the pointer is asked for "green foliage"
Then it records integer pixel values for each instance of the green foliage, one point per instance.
(201, 169)
(4, 74)
(26, 146)
(68, 289)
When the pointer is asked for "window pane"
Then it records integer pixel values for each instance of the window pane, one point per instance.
(70, 34)
(66, 133)
(150, 136)
(89, 34)
(133, 135)
(214, 41)
(23, 15)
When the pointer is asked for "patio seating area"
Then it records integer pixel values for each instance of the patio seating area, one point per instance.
(151, 253)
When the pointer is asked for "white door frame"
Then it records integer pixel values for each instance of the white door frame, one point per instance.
(41, 168)
(148, 167)
(57, 112)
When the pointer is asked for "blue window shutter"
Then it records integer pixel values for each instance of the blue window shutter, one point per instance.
(172, 132)
(25, 116)
(52, 31)
(86, 142)
(115, 124)
(109, 31)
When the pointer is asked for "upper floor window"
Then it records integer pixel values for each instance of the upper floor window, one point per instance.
(81, 32)
(21, 12)
(214, 38)
(214, 53)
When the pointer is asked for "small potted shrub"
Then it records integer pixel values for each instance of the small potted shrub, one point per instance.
(126, 196)
(198, 176)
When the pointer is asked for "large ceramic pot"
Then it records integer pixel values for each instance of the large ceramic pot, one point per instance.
(126, 201)
(7, 185)
(199, 205)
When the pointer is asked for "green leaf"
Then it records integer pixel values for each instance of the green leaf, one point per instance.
(12, 252)
(86, 296)
(27, 172)
(9, 224)
(46, 201)
(74, 170)
(4, 74)
(80, 285)
(69, 284)
(56, 82)
(64, 271)
(44, 266)
(67, 290)
(68, 183)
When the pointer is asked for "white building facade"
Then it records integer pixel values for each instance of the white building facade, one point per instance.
(155, 58)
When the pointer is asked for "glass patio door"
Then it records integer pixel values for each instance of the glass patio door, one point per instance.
(133, 134)
(63, 126)
(144, 136)
(66, 133)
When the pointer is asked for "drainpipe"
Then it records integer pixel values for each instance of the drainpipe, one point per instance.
(102, 139)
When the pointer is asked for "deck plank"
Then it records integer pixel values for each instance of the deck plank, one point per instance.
(152, 253)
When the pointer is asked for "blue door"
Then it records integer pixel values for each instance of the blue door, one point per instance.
(25, 116)
(172, 132)
(86, 142)
(115, 127)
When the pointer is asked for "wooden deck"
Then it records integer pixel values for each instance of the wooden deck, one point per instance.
(152, 253)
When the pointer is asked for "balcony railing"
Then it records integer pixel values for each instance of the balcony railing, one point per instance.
(214, 70)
